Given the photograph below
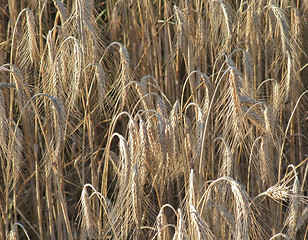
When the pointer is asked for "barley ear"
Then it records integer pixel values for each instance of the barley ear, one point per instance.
(13, 235)
(62, 10)
(294, 210)
(32, 38)
(17, 155)
(180, 231)
(161, 221)
(3, 123)
(192, 195)
(87, 218)
(136, 197)
(200, 229)
(101, 85)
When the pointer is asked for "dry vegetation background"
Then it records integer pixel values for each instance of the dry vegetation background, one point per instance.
(151, 119)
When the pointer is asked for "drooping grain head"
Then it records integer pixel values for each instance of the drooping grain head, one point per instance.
(192, 194)
(101, 85)
(17, 155)
(161, 221)
(294, 210)
(125, 162)
(87, 218)
(264, 163)
(13, 235)
(144, 151)
(62, 10)
(3, 122)
(136, 197)
(32, 36)
(199, 228)
(78, 63)
(180, 232)
(283, 26)
(242, 212)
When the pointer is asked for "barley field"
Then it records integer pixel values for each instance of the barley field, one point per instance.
(152, 119)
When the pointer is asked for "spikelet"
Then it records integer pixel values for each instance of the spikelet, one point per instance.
(218, 13)
(188, 133)
(169, 140)
(227, 167)
(87, 218)
(280, 236)
(17, 155)
(62, 10)
(302, 219)
(20, 87)
(283, 26)
(161, 221)
(174, 125)
(248, 72)
(161, 106)
(181, 25)
(294, 210)
(136, 197)
(200, 33)
(142, 91)
(125, 72)
(55, 66)
(249, 26)
(228, 22)
(161, 126)
(287, 87)
(242, 211)
(264, 163)
(276, 98)
(60, 126)
(101, 85)
(32, 39)
(257, 25)
(200, 229)
(115, 19)
(125, 162)
(200, 123)
(132, 139)
(180, 231)
(50, 47)
(13, 235)
(295, 25)
(192, 195)
(237, 115)
(241, 205)
(3, 123)
(152, 133)
(227, 216)
(77, 72)
(144, 150)
(278, 192)
(174, 114)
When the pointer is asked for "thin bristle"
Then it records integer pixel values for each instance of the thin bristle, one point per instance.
(87, 215)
